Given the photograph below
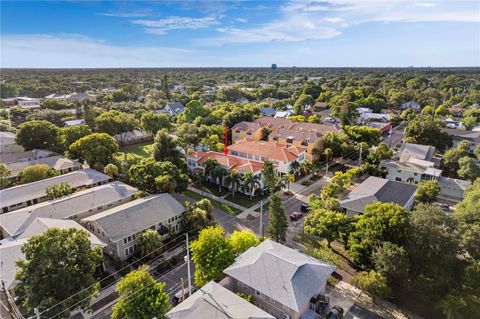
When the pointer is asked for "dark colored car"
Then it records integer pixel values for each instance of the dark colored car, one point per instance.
(296, 216)
(304, 208)
(335, 313)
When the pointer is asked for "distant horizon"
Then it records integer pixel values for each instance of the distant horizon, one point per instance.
(216, 33)
(244, 67)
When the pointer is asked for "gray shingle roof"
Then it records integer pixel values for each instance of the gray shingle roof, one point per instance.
(473, 136)
(375, 189)
(11, 251)
(423, 152)
(281, 273)
(66, 207)
(213, 301)
(56, 162)
(30, 191)
(136, 216)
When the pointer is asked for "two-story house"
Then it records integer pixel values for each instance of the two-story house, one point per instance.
(33, 193)
(120, 226)
(75, 206)
(282, 281)
(412, 164)
(246, 130)
(282, 156)
(458, 135)
(213, 301)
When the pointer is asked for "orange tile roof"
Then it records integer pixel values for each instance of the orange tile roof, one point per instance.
(231, 162)
(273, 122)
(270, 150)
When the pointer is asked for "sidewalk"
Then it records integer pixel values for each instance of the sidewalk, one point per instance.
(218, 199)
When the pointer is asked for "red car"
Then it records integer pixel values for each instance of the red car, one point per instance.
(296, 216)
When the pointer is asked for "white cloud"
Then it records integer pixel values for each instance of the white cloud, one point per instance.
(241, 20)
(162, 26)
(69, 50)
(315, 20)
(424, 4)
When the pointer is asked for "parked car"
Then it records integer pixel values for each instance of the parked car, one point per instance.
(181, 295)
(296, 216)
(304, 208)
(335, 313)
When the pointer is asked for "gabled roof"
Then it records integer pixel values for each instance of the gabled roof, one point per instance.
(281, 273)
(41, 225)
(375, 189)
(213, 301)
(136, 216)
(246, 127)
(57, 162)
(7, 138)
(473, 136)
(315, 127)
(11, 251)
(268, 111)
(273, 122)
(175, 107)
(15, 222)
(22, 193)
(423, 152)
(21, 156)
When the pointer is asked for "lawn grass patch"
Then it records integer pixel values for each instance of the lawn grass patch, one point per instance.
(139, 151)
(243, 200)
(210, 188)
(226, 208)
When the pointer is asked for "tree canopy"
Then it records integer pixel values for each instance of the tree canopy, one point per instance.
(98, 149)
(140, 297)
(71, 264)
(37, 134)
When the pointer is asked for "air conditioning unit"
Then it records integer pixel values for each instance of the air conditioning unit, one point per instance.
(285, 316)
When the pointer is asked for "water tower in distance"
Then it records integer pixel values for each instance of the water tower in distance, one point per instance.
(274, 68)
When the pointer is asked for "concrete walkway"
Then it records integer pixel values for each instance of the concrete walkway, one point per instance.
(218, 199)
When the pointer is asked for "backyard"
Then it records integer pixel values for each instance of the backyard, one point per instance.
(135, 151)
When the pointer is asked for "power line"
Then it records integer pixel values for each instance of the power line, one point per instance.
(130, 264)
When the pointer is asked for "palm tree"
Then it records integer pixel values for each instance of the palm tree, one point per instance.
(289, 178)
(209, 166)
(252, 182)
(294, 167)
(233, 179)
(306, 167)
(217, 174)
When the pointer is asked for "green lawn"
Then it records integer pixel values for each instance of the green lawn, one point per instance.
(210, 188)
(217, 204)
(136, 151)
(243, 200)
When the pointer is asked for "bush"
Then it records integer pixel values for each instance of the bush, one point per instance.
(373, 283)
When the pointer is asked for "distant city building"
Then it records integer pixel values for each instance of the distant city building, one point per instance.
(274, 68)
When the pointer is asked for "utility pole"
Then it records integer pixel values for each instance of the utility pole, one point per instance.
(360, 157)
(261, 218)
(188, 268)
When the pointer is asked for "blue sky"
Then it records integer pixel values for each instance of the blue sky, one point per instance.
(333, 33)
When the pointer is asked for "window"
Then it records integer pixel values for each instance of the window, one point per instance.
(398, 179)
(124, 240)
(415, 174)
